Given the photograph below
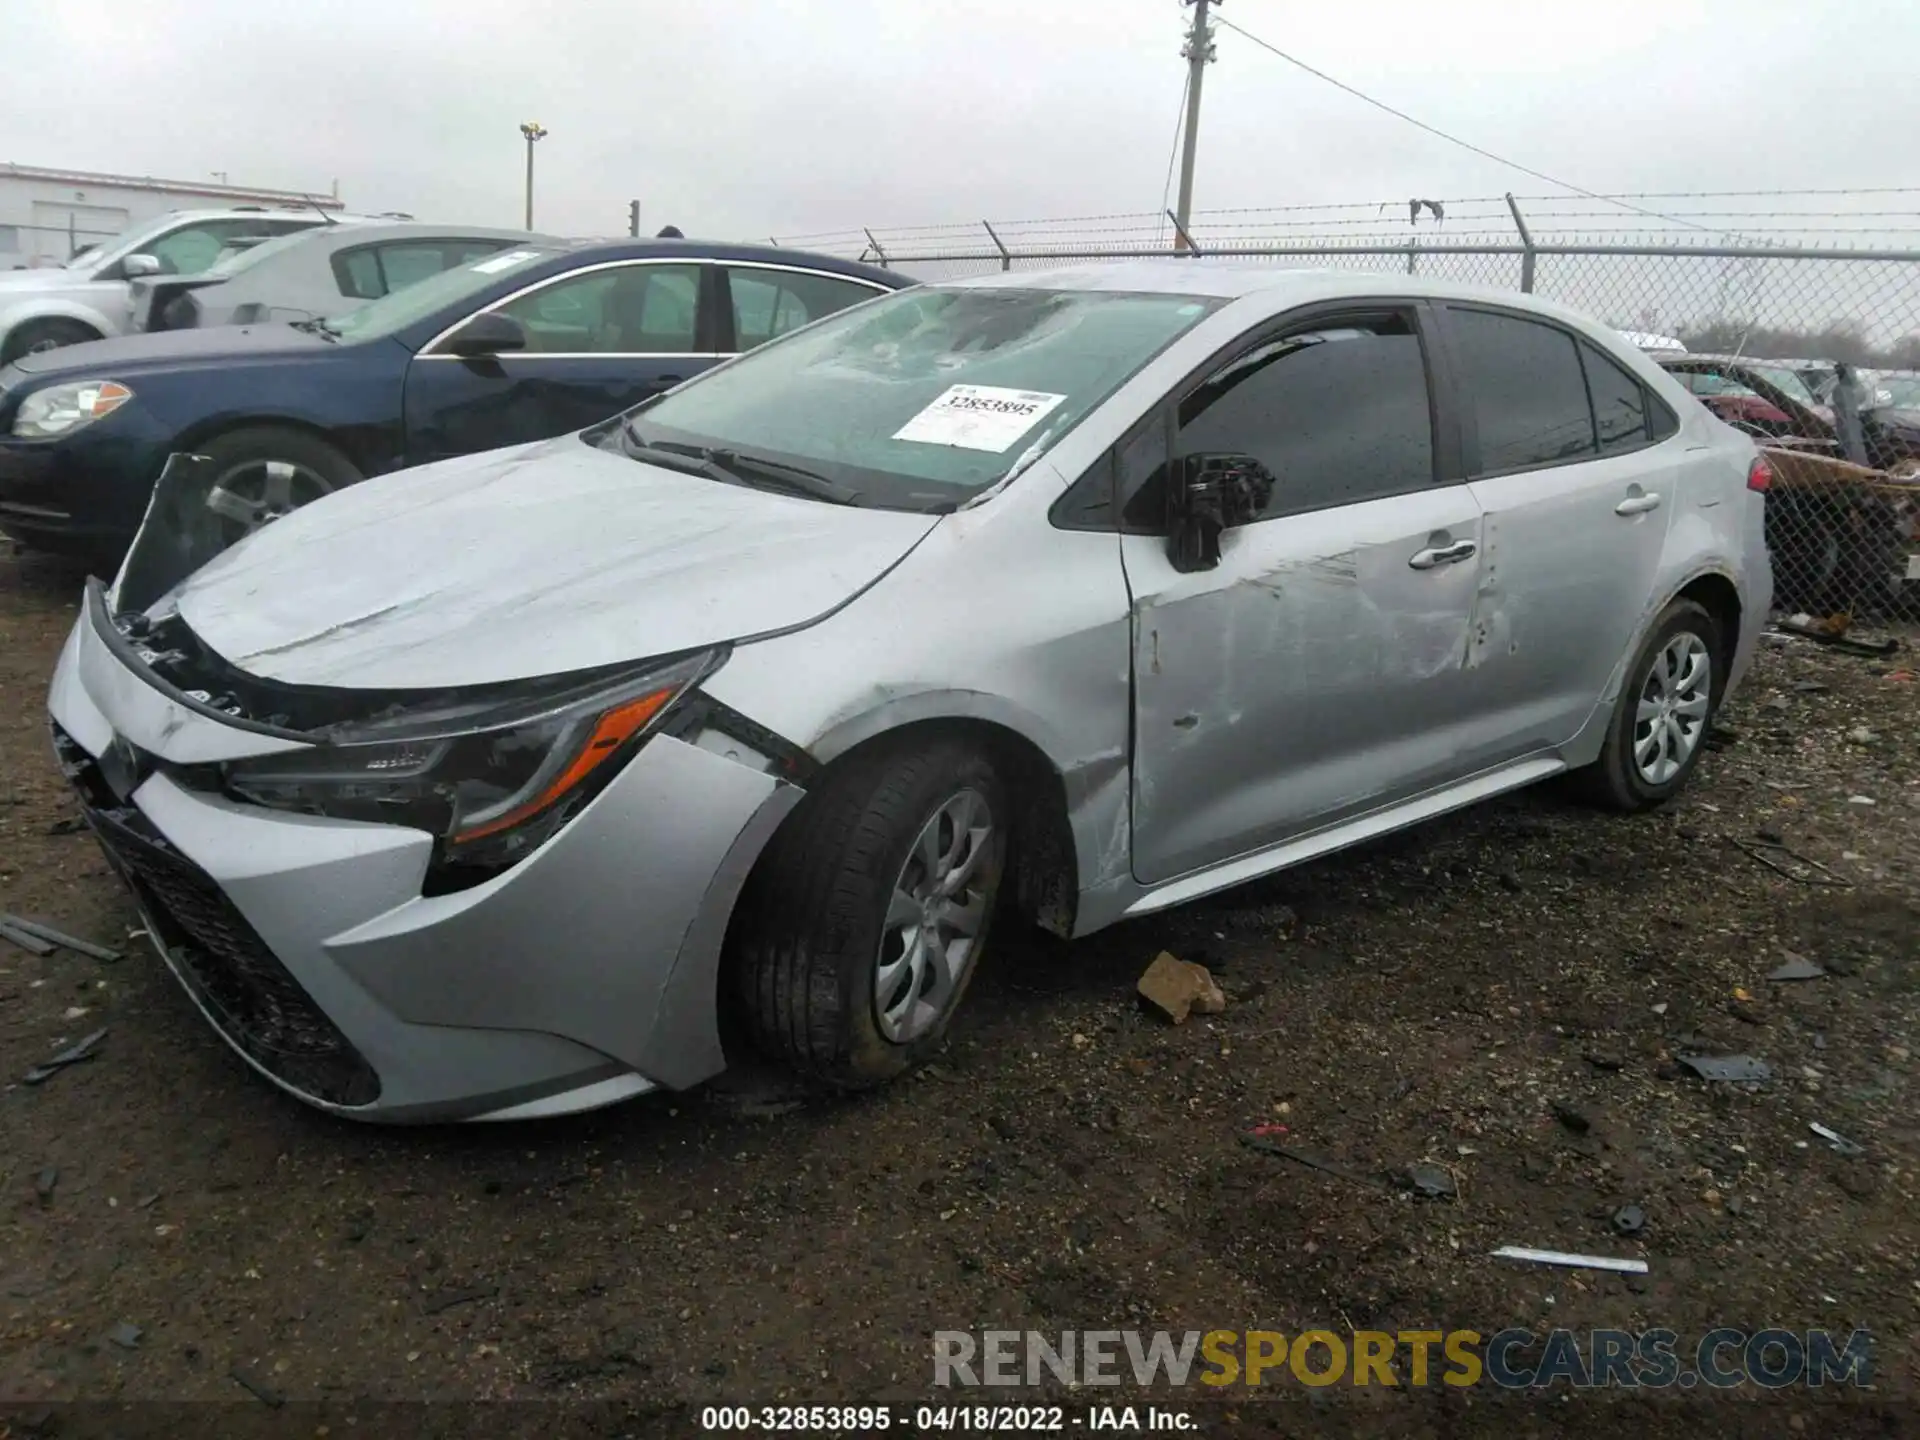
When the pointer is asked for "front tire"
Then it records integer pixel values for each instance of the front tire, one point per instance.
(1667, 703)
(34, 337)
(265, 472)
(865, 920)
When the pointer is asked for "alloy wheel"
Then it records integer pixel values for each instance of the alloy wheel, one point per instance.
(255, 493)
(935, 913)
(1671, 715)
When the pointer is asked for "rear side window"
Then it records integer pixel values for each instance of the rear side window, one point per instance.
(1339, 413)
(358, 274)
(769, 303)
(1619, 402)
(1526, 390)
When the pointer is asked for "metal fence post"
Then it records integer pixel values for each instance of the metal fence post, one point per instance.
(1006, 256)
(1413, 257)
(1185, 239)
(1526, 244)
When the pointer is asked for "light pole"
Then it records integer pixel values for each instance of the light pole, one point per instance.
(533, 132)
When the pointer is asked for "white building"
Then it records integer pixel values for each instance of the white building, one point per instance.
(45, 215)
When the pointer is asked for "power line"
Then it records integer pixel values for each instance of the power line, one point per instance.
(1173, 154)
(1450, 139)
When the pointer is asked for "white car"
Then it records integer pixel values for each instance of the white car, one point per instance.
(89, 298)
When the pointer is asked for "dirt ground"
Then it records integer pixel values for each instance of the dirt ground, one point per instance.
(1501, 994)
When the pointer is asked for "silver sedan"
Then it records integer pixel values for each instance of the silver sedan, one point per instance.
(481, 790)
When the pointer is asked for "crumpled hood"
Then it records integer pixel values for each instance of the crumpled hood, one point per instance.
(530, 561)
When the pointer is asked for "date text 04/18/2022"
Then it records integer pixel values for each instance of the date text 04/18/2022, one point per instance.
(941, 1419)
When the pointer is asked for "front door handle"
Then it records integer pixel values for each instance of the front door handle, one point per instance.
(1443, 555)
(1637, 505)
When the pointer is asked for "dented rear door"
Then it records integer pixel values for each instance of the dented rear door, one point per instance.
(1318, 672)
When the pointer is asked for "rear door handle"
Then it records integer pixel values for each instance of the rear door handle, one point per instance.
(1443, 555)
(1637, 505)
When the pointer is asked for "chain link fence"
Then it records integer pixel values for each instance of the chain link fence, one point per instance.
(1756, 323)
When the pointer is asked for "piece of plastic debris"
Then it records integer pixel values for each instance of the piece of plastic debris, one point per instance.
(446, 1300)
(126, 1336)
(44, 1182)
(1572, 1261)
(1776, 858)
(1178, 988)
(1312, 1162)
(1628, 1220)
(1861, 800)
(1861, 735)
(1431, 1181)
(1570, 1117)
(1268, 1128)
(1728, 1067)
(1798, 967)
(1836, 1140)
(25, 939)
(48, 935)
(72, 1055)
(72, 825)
(1661, 1008)
(257, 1388)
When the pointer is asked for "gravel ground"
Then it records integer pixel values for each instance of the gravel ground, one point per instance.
(1501, 994)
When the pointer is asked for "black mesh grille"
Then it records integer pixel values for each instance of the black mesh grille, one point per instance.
(253, 998)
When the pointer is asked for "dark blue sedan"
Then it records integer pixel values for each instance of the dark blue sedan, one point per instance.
(523, 344)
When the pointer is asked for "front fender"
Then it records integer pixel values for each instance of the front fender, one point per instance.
(50, 307)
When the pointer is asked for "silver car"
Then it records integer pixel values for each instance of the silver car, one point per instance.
(319, 273)
(480, 790)
(90, 297)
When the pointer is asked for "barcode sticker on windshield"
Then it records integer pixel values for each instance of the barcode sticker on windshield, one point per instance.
(494, 264)
(979, 417)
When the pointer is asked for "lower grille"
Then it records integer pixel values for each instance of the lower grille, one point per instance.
(251, 996)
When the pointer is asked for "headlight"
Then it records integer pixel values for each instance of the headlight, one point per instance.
(61, 408)
(490, 782)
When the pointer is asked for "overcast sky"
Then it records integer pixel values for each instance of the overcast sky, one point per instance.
(743, 118)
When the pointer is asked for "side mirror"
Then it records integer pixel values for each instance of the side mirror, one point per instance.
(1209, 493)
(488, 333)
(134, 267)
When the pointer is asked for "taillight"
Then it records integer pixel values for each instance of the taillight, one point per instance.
(1759, 474)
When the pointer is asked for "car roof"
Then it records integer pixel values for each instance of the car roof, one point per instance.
(376, 229)
(595, 251)
(1232, 279)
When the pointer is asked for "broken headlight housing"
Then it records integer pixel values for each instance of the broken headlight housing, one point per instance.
(490, 779)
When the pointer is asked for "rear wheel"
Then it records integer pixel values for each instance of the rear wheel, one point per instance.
(35, 336)
(1667, 702)
(864, 922)
(267, 471)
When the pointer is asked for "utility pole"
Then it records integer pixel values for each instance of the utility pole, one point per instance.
(633, 217)
(533, 132)
(1199, 53)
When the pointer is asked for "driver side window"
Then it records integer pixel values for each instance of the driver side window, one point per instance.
(632, 310)
(1335, 412)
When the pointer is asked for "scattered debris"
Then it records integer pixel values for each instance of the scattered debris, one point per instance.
(1600, 1061)
(1721, 737)
(1727, 1067)
(1836, 1141)
(257, 1388)
(1861, 735)
(1567, 1258)
(1810, 687)
(44, 1182)
(25, 939)
(1798, 967)
(126, 1336)
(72, 1055)
(1178, 988)
(1861, 800)
(1572, 1118)
(1268, 1128)
(72, 825)
(1432, 1182)
(1312, 1162)
(446, 1300)
(47, 935)
(1628, 1220)
(1772, 856)
(148, 1203)
(1873, 650)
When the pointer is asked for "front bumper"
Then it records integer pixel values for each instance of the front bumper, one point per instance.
(585, 974)
(82, 494)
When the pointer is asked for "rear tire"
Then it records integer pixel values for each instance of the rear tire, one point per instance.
(35, 336)
(1667, 703)
(838, 961)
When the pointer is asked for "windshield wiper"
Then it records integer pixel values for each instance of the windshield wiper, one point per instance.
(317, 325)
(801, 482)
(674, 458)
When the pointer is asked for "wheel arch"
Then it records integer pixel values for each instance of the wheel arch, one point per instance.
(40, 310)
(203, 432)
(1045, 852)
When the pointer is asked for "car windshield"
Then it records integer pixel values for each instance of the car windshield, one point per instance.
(238, 258)
(1782, 378)
(89, 255)
(393, 313)
(923, 398)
